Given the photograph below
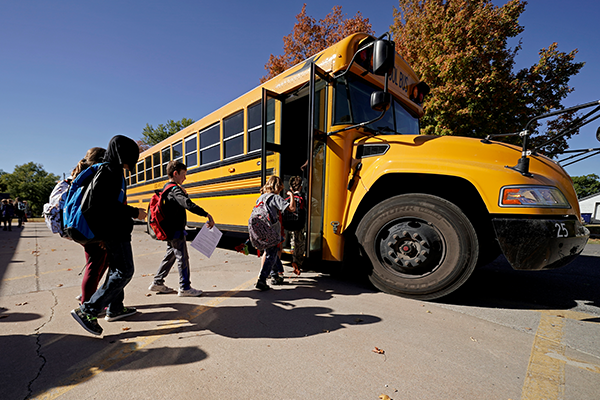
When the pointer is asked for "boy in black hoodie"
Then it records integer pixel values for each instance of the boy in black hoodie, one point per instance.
(111, 220)
(176, 202)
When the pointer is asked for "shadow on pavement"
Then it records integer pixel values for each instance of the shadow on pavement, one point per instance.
(51, 361)
(497, 285)
(8, 246)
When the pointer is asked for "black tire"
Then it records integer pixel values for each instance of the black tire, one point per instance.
(421, 246)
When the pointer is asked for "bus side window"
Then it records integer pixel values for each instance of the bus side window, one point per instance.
(141, 171)
(156, 164)
(233, 135)
(191, 154)
(178, 151)
(132, 180)
(210, 145)
(149, 168)
(254, 128)
(166, 157)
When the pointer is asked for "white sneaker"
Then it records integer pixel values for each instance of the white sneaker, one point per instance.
(160, 288)
(191, 292)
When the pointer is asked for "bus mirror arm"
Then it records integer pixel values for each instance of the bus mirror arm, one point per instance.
(523, 163)
(580, 153)
(361, 125)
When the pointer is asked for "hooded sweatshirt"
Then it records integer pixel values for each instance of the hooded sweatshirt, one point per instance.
(108, 215)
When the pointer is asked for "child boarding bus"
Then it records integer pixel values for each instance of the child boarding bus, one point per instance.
(423, 211)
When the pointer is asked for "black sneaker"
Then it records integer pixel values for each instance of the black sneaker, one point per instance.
(88, 322)
(127, 311)
(262, 286)
(277, 280)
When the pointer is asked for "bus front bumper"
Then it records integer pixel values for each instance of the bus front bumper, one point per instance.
(536, 244)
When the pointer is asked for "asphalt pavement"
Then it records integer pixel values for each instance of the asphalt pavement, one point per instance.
(504, 335)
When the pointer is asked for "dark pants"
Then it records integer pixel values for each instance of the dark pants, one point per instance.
(120, 272)
(96, 265)
(176, 251)
(272, 265)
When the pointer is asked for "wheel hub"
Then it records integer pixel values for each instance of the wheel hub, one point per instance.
(410, 247)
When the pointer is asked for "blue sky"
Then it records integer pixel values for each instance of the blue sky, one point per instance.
(74, 73)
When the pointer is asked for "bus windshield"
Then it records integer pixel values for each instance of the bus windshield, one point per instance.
(352, 106)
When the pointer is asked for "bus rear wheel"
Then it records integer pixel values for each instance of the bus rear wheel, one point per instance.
(149, 227)
(421, 246)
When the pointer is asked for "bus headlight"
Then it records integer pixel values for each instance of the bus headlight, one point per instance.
(532, 196)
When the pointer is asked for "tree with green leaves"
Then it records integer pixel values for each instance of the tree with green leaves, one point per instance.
(586, 185)
(460, 49)
(32, 183)
(3, 187)
(152, 136)
(309, 37)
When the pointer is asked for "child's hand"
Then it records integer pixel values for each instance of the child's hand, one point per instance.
(142, 214)
(211, 221)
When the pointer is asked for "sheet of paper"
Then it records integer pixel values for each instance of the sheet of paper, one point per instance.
(206, 240)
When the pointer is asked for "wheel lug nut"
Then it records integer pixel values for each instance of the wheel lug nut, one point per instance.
(405, 234)
(416, 236)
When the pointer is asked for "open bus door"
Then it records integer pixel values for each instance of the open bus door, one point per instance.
(316, 147)
(271, 135)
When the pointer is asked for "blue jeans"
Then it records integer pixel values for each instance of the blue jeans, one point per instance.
(272, 264)
(120, 272)
(176, 250)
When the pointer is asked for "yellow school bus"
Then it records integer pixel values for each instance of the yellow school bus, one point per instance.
(421, 211)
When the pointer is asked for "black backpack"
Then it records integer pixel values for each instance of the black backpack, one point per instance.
(295, 221)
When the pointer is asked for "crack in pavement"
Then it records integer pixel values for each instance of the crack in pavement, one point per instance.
(37, 330)
(39, 346)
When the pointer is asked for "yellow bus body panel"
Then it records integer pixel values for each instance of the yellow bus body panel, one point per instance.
(483, 165)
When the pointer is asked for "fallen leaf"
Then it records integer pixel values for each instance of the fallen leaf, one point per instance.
(125, 328)
(21, 304)
(148, 294)
(69, 269)
(325, 330)
(59, 285)
(428, 312)
(385, 397)
(357, 320)
(378, 350)
(473, 339)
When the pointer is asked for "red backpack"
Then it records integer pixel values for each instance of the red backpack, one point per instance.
(156, 216)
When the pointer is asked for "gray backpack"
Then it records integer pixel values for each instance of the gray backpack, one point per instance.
(260, 227)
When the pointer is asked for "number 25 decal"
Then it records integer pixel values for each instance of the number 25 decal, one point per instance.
(561, 230)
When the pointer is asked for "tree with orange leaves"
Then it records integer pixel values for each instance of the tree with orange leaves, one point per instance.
(309, 37)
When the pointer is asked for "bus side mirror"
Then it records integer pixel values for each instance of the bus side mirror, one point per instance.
(384, 56)
(380, 101)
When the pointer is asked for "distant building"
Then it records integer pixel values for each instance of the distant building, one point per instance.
(590, 208)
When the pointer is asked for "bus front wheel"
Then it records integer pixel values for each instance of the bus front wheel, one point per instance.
(421, 246)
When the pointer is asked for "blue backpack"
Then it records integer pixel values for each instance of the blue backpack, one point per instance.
(75, 225)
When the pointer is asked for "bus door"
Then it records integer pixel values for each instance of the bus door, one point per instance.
(271, 136)
(316, 160)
